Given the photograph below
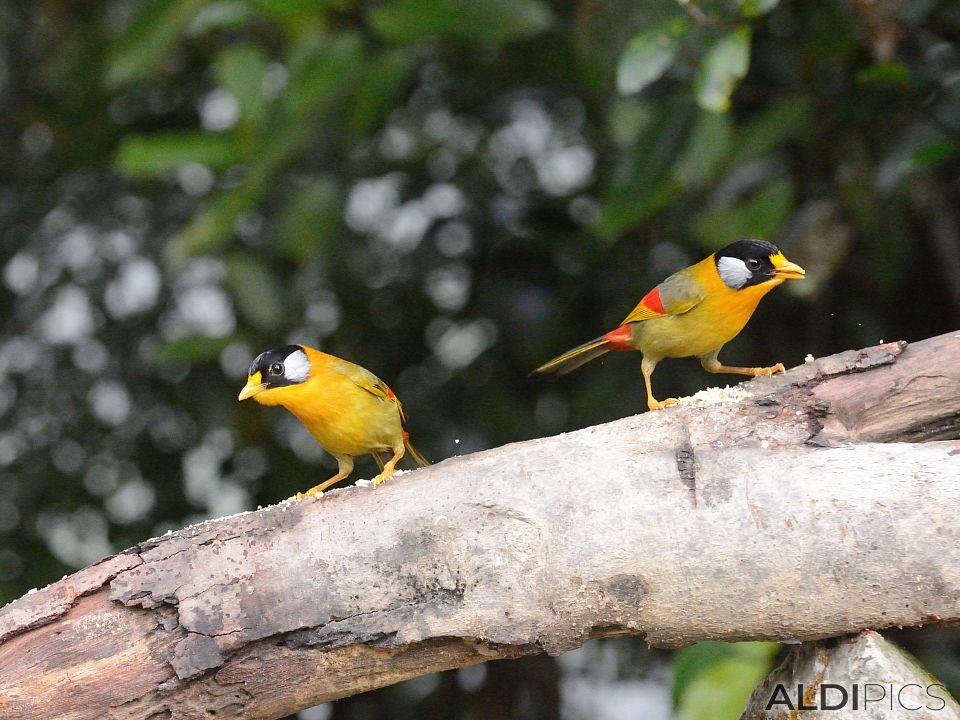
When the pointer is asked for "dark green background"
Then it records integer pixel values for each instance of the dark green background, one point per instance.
(448, 192)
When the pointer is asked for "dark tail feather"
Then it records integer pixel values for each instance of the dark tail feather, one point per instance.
(415, 454)
(411, 452)
(572, 359)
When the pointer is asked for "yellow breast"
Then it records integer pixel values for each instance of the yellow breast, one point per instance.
(712, 323)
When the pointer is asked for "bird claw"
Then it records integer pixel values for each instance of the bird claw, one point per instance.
(302, 495)
(769, 371)
(660, 404)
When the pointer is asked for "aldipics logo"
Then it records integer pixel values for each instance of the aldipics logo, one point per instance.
(859, 696)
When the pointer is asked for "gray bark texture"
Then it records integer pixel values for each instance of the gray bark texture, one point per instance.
(790, 510)
(861, 677)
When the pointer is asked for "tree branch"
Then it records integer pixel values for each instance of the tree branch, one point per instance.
(776, 515)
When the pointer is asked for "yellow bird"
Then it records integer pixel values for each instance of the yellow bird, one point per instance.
(347, 409)
(694, 312)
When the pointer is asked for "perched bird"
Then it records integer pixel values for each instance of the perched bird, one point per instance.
(694, 312)
(347, 409)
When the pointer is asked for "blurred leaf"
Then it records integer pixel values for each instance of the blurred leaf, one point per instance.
(642, 182)
(779, 122)
(311, 217)
(321, 67)
(154, 32)
(756, 8)
(627, 119)
(932, 154)
(648, 56)
(239, 70)
(288, 8)
(720, 70)
(706, 150)
(717, 682)
(468, 21)
(380, 83)
(761, 216)
(256, 292)
(215, 15)
(214, 225)
(162, 153)
(691, 661)
(890, 73)
(192, 349)
(318, 65)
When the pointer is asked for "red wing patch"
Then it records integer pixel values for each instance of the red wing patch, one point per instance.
(652, 302)
(651, 306)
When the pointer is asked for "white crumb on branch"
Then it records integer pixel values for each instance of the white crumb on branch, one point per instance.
(715, 396)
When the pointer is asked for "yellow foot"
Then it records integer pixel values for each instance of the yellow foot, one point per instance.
(769, 371)
(660, 404)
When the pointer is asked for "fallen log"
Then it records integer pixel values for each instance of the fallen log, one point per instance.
(788, 509)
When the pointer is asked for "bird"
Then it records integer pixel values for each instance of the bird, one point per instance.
(694, 312)
(348, 410)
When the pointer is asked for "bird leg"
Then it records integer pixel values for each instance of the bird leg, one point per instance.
(389, 466)
(652, 402)
(712, 364)
(344, 466)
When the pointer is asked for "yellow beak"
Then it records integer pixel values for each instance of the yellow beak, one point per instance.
(785, 269)
(253, 387)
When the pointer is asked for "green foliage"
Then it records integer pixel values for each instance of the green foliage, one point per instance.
(892, 73)
(240, 71)
(311, 218)
(158, 154)
(757, 216)
(721, 68)
(756, 8)
(381, 83)
(643, 182)
(258, 295)
(193, 349)
(449, 192)
(932, 154)
(706, 151)
(713, 680)
(648, 55)
(468, 21)
(158, 26)
(779, 123)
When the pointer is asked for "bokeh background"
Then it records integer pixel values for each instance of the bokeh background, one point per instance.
(448, 192)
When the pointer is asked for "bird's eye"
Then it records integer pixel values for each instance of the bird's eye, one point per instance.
(753, 263)
(276, 369)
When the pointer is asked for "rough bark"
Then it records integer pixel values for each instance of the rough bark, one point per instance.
(775, 514)
(862, 677)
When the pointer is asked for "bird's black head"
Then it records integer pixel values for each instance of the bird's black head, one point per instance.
(287, 365)
(750, 262)
(274, 369)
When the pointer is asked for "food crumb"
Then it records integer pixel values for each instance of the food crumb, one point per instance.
(715, 395)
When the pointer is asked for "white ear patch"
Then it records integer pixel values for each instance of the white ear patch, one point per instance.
(296, 368)
(733, 271)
